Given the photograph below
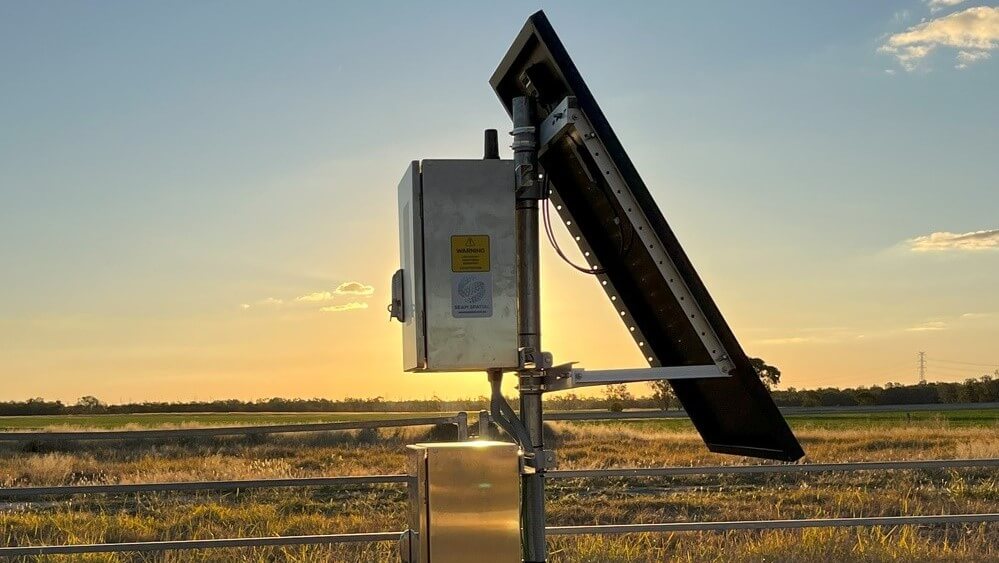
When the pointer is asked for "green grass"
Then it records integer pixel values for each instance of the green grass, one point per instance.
(109, 421)
(980, 417)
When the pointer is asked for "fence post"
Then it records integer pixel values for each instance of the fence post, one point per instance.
(485, 432)
(461, 421)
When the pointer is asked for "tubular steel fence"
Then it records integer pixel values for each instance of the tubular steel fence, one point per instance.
(859, 409)
(782, 469)
(36, 492)
(324, 539)
(65, 490)
(399, 479)
(770, 524)
(460, 420)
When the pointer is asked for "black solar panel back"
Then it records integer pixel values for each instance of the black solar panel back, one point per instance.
(734, 414)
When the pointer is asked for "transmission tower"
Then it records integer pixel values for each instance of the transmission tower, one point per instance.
(922, 368)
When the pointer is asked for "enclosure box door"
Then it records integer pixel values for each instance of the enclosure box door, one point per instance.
(465, 505)
(457, 292)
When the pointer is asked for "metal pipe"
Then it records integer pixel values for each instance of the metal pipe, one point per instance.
(525, 149)
(461, 421)
(484, 429)
(198, 544)
(222, 430)
(32, 492)
(529, 191)
(783, 469)
(786, 411)
(528, 273)
(771, 524)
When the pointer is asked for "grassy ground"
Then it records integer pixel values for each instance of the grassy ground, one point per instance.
(901, 417)
(580, 445)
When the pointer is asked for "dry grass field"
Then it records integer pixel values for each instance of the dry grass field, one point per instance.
(105, 518)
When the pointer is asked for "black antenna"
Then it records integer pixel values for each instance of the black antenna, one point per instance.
(491, 151)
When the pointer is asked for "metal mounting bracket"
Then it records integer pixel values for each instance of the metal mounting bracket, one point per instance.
(568, 119)
(571, 378)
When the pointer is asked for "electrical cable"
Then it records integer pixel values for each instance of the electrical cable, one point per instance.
(550, 231)
(964, 363)
(546, 217)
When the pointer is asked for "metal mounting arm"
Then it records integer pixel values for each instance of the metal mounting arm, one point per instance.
(565, 376)
(568, 120)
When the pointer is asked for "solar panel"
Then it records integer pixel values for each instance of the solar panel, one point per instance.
(615, 221)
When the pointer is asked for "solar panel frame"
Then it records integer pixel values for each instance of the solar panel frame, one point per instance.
(735, 414)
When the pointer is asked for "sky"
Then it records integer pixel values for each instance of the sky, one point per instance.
(198, 199)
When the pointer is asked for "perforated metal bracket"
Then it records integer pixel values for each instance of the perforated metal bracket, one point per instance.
(568, 119)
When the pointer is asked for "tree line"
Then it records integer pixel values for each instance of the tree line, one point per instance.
(978, 390)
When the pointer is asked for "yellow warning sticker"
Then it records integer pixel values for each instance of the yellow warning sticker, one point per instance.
(470, 253)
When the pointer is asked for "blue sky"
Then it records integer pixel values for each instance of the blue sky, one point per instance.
(174, 175)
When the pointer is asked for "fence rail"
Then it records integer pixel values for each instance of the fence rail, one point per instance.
(368, 537)
(460, 420)
(363, 537)
(782, 469)
(340, 481)
(859, 409)
(32, 492)
(772, 524)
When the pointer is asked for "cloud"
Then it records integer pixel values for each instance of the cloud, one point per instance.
(976, 315)
(974, 31)
(352, 306)
(965, 58)
(316, 297)
(788, 340)
(937, 5)
(943, 241)
(354, 288)
(928, 326)
(268, 302)
(813, 335)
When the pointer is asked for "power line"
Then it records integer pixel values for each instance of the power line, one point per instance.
(965, 375)
(992, 365)
(969, 369)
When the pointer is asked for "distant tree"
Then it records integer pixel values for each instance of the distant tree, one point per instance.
(618, 392)
(437, 404)
(90, 404)
(663, 394)
(617, 396)
(768, 373)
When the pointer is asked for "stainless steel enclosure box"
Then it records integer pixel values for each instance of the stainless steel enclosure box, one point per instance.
(457, 295)
(466, 503)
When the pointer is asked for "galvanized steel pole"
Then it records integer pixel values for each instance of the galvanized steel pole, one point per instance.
(529, 192)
